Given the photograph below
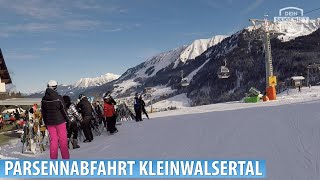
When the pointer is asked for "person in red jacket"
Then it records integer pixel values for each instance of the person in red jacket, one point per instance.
(110, 114)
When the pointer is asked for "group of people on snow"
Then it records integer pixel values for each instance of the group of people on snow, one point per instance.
(63, 118)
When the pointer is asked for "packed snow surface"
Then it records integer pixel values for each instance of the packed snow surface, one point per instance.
(284, 132)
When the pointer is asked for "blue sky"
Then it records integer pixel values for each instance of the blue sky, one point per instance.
(66, 40)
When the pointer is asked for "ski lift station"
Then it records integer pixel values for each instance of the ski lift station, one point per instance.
(4, 74)
(297, 81)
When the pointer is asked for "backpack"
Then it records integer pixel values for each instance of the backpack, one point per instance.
(108, 110)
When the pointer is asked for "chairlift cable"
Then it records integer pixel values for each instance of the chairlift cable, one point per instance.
(308, 11)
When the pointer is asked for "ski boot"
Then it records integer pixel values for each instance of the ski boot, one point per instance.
(75, 144)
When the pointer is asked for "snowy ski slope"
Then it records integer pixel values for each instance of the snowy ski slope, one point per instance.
(285, 133)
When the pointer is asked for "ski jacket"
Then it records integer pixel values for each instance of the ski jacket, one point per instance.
(85, 107)
(53, 108)
(73, 114)
(99, 110)
(108, 109)
(137, 103)
(143, 104)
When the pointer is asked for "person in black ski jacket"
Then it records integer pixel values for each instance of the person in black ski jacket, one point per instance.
(55, 117)
(85, 109)
(137, 107)
(72, 125)
(143, 104)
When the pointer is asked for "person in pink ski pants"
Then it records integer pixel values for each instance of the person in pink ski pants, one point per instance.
(55, 118)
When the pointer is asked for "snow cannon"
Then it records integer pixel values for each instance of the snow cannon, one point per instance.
(254, 91)
(253, 96)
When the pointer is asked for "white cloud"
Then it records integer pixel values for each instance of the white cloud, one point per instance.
(113, 30)
(86, 5)
(50, 10)
(58, 15)
(70, 25)
(195, 33)
(29, 27)
(50, 42)
(20, 56)
(46, 49)
(81, 24)
(94, 6)
(34, 8)
(4, 34)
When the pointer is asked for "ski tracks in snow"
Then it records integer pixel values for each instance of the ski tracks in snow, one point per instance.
(304, 132)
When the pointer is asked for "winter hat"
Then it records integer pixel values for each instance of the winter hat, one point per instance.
(52, 84)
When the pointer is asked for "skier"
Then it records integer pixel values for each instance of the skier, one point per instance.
(137, 107)
(110, 114)
(55, 118)
(143, 104)
(108, 94)
(72, 125)
(85, 109)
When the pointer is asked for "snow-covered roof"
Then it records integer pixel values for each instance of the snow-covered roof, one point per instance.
(295, 78)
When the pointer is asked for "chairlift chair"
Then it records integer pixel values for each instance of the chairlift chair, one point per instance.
(184, 82)
(223, 72)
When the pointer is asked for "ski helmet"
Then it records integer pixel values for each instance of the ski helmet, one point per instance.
(52, 84)
(81, 96)
(107, 97)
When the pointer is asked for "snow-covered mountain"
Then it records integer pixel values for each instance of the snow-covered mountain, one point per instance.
(172, 59)
(97, 81)
(293, 29)
(199, 46)
(177, 56)
(81, 85)
(201, 60)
